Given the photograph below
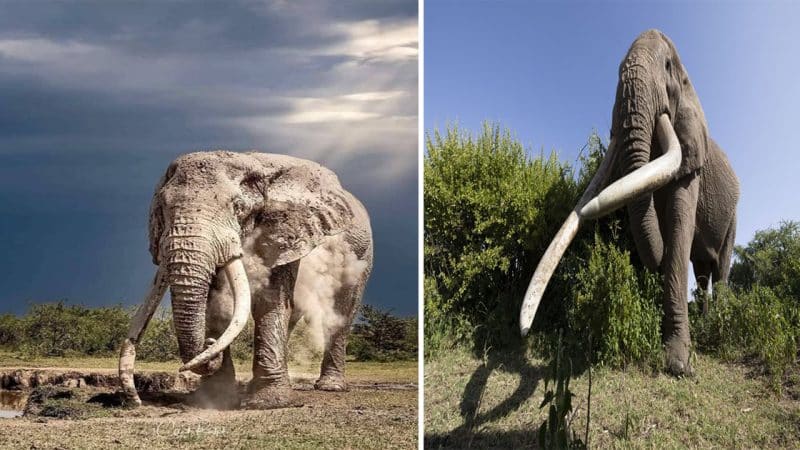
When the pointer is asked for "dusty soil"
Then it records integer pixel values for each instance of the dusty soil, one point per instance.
(379, 411)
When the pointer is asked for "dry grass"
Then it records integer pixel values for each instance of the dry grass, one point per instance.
(494, 404)
(369, 416)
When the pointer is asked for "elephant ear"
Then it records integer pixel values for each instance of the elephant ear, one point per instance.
(690, 126)
(304, 205)
(156, 226)
(690, 120)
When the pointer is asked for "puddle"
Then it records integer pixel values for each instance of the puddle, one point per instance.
(12, 403)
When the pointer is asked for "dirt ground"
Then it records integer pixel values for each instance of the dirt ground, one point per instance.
(379, 411)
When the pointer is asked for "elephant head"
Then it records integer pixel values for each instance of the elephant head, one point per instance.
(658, 134)
(203, 208)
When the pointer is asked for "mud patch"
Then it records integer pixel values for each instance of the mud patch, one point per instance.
(24, 379)
(62, 403)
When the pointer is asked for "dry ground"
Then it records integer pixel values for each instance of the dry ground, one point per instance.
(494, 403)
(380, 411)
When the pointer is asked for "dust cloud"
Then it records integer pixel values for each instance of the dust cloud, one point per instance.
(321, 275)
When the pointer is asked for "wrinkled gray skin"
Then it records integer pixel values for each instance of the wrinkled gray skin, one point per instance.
(693, 217)
(203, 208)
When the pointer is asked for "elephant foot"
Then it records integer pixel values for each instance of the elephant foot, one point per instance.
(677, 350)
(271, 397)
(215, 393)
(331, 384)
(129, 399)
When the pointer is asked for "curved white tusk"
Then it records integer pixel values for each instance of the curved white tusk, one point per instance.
(647, 178)
(237, 278)
(549, 262)
(127, 354)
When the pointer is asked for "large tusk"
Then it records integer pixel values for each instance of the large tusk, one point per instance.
(241, 311)
(127, 354)
(647, 178)
(549, 262)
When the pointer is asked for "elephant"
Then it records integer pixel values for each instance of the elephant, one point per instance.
(218, 221)
(676, 182)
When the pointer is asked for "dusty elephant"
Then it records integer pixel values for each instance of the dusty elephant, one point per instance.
(678, 186)
(220, 219)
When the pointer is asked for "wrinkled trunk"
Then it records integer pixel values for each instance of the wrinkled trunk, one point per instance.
(189, 268)
(636, 111)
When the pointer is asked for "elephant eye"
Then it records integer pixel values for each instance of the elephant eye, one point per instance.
(254, 182)
(239, 206)
(668, 65)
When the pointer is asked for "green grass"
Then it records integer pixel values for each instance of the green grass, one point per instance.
(495, 403)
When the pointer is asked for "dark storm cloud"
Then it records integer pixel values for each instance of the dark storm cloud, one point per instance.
(98, 97)
(191, 26)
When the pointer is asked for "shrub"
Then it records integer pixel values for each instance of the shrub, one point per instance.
(159, 342)
(10, 328)
(58, 329)
(380, 336)
(618, 306)
(757, 318)
(556, 431)
(772, 259)
(753, 323)
(490, 212)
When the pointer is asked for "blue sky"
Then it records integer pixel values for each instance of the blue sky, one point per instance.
(547, 71)
(99, 97)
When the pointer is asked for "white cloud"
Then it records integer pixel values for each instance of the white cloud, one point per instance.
(375, 40)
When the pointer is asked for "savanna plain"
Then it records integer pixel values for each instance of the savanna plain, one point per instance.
(379, 411)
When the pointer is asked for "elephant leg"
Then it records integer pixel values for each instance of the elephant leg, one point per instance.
(347, 301)
(723, 265)
(679, 228)
(218, 390)
(272, 310)
(332, 371)
(702, 276)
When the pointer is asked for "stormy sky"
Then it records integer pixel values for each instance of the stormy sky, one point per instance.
(97, 98)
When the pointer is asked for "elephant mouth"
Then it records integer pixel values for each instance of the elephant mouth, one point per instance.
(643, 180)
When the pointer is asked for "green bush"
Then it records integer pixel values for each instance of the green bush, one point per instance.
(618, 306)
(753, 323)
(380, 336)
(757, 317)
(490, 212)
(58, 329)
(10, 327)
(771, 258)
(158, 342)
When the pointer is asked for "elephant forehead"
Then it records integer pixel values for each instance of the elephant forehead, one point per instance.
(648, 48)
(214, 162)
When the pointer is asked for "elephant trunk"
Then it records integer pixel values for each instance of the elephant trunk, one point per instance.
(637, 109)
(194, 248)
(189, 270)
